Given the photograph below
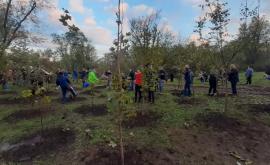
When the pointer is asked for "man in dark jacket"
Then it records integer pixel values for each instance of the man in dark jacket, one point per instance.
(162, 79)
(131, 77)
(188, 81)
(212, 83)
(233, 77)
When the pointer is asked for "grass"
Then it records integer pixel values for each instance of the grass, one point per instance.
(91, 130)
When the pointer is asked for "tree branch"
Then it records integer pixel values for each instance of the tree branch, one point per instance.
(19, 24)
(5, 21)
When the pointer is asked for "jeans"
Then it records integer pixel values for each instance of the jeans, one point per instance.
(213, 87)
(234, 89)
(161, 85)
(187, 89)
(249, 80)
(151, 96)
(131, 85)
(138, 93)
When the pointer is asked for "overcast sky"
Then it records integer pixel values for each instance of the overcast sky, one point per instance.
(96, 18)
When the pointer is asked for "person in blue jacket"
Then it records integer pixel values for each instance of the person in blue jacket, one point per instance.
(188, 81)
(249, 75)
(65, 85)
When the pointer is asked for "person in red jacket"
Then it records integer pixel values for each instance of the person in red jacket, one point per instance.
(138, 86)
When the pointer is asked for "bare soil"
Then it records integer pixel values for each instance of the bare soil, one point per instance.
(13, 100)
(141, 119)
(133, 156)
(50, 140)
(27, 114)
(71, 100)
(95, 110)
(8, 93)
(258, 108)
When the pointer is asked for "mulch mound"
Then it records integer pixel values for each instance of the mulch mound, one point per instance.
(27, 114)
(95, 110)
(133, 156)
(217, 121)
(8, 92)
(258, 108)
(36, 144)
(71, 100)
(13, 100)
(141, 118)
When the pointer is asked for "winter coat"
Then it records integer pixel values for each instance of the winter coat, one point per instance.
(233, 76)
(138, 78)
(188, 77)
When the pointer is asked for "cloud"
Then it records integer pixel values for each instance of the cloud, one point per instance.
(98, 35)
(90, 21)
(195, 3)
(77, 6)
(141, 9)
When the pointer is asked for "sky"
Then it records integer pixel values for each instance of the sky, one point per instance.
(96, 18)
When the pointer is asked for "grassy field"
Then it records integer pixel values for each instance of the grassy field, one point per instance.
(174, 130)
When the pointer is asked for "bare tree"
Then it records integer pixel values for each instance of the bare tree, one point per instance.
(14, 14)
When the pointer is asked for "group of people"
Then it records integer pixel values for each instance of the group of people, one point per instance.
(146, 80)
(87, 76)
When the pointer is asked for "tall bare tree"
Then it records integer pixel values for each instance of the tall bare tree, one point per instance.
(14, 15)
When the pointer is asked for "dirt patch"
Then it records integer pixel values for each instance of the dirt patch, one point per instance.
(258, 108)
(13, 100)
(51, 140)
(196, 146)
(71, 100)
(133, 156)
(8, 93)
(91, 93)
(242, 90)
(141, 118)
(95, 110)
(218, 121)
(52, 93)
(190, 101)
(27, 114)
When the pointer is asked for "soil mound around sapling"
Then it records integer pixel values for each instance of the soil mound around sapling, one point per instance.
(141, 118)
(50, 140)
(218, 121)
(95, 110)
(133, 156)
(14, 100)
(52, 93)
(258, 108)
(71, 100)
(93, 92)
(8, 93)
(190, 101)
(27, 114)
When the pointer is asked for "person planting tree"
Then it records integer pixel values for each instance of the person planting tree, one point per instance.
(65, 85)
